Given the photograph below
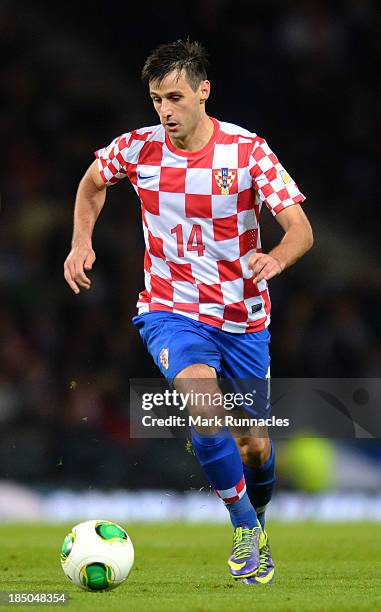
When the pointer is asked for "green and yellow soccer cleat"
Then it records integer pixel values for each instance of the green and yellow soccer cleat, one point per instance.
(266, 569)
(245, 558)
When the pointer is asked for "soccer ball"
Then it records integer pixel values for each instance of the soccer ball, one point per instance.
(97, 555)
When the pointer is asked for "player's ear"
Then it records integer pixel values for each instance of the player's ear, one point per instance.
(204, 91)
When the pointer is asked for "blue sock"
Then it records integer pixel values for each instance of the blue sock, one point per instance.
(220, 459)
(260, 484)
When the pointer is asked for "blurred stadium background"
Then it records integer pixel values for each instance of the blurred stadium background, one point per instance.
(301, 74)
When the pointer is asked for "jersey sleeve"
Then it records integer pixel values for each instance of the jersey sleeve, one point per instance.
(273, 184)
(113, 158)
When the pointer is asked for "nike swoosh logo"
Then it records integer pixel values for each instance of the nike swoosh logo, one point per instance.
(141, 176)
(236, 566)
(265, 579)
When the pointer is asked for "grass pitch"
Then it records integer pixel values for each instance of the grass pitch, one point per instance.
(183, 568)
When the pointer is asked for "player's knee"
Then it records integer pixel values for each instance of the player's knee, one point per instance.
(199, 383)
(255, 451)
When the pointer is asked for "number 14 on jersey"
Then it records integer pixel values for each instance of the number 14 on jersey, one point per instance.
(194, 242)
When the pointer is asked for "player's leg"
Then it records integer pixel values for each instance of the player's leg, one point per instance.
(243, 358)
(258, 457)
(214, 445)
(220, 459)
(257, 452)
(176, 342)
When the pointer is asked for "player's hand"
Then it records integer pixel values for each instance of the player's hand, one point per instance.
(264, 267)
(80, 258)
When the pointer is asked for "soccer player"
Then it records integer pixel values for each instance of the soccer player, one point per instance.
(205, 309)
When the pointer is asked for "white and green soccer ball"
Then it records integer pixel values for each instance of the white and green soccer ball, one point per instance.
(97, 555)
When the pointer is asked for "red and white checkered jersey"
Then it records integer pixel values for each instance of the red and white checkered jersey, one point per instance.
(201, 220)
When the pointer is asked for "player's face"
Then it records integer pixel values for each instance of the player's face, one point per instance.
(178, 105)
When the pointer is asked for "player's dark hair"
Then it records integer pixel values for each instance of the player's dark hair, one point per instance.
(179, 55)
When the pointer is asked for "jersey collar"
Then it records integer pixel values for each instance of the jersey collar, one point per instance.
(200, 152)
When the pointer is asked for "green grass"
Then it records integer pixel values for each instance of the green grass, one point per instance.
(183, 568)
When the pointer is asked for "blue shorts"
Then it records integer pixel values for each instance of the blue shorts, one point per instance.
(175, 342)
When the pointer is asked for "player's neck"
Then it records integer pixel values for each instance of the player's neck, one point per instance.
(198, 138)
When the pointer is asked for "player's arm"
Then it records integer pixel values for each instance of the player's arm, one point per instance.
(89, 202)
(297, 240)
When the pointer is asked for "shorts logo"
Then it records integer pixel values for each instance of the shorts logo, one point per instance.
(225, 179)
(164, 358)
(286, 178)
